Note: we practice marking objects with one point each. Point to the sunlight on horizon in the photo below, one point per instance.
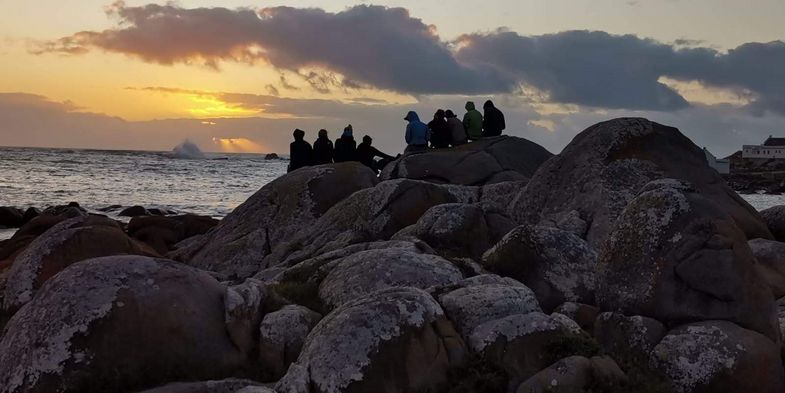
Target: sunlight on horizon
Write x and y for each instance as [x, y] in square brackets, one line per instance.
[239, 145]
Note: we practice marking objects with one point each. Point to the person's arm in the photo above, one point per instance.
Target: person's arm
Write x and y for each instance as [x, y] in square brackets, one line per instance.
[409, 133]
[377, 153]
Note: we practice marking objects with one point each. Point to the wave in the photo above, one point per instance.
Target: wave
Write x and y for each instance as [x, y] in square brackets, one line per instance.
[187, 150]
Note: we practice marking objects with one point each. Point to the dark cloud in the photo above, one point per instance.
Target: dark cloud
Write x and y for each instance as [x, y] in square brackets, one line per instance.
[387, 48]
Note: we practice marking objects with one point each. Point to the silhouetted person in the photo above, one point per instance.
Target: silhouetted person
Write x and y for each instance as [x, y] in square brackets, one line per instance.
[345, 146]
[300, 152]
[416, 133]
[366, 154]
[493, 120]
[472, 122]
[323, 150]
[457, 132]
[440, 134]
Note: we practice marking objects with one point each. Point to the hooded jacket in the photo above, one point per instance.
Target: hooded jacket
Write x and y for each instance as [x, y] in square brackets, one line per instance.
[472, 122]
[323, 151]
[457, 132]
[493, 122]
[416, 131]
[440, 133]
[346, 147]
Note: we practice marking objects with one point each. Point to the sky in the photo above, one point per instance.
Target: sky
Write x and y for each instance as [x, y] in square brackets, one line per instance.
[240, 76]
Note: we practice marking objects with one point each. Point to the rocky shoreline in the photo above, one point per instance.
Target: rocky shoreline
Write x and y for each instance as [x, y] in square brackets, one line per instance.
[623, 264]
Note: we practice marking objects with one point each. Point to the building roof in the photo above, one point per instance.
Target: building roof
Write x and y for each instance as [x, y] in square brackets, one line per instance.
[774, 142]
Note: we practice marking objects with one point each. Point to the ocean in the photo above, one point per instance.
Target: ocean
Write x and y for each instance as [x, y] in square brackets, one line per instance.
[187, 181]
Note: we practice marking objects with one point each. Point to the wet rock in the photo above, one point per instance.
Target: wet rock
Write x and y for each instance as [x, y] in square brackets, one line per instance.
[576, 374]
[397, 338]
[279, 211]
[162, 233]
[584, 315]
[281, 337]
[775, 220]
[110, 208]
[134, 211]
[66, 243]
[271, 156]
[10, 217]
[119, 323]
[369, 215]
[460, 230]
[605, 167]
[30, 214]
[771, 263]
[488, 161]
[222, 386]
[365, 272]
[719, 357]
[557, 265]
[477, 303]
[675, 256]
[522, 343]
[70, 210]
[630, 339]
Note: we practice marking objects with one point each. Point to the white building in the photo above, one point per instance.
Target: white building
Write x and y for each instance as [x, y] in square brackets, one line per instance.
[721, 166]
[771, 148]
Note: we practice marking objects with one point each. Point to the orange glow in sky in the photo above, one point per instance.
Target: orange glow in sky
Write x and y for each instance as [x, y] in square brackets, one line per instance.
[239, 145]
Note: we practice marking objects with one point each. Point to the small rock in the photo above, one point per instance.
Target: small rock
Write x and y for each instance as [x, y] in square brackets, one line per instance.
[630, 339]
[583, 314]
[134, 211]
[281, 337]
[775, 220]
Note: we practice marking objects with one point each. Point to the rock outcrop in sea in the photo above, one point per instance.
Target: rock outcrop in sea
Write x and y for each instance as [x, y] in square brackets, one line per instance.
[622, 264]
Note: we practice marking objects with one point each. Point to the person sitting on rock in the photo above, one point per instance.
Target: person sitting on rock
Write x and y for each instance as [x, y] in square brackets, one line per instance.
[493, 120]
[323, 150]
[440, 133]
[416, 133]
[472, 122]
[346, 147]
[366, 154]
[455, 126]
[300, 151]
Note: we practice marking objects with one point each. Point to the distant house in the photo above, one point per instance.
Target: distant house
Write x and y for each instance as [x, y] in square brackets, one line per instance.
[720, 165]
[772, 148]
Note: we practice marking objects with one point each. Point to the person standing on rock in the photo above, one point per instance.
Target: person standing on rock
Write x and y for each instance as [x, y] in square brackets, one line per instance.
[300, 151]
[440, 134]
[416, 133]
[493, 120]
[346, 147]
[323, 150]
[455, 126]
[366, 154]
[472, 122]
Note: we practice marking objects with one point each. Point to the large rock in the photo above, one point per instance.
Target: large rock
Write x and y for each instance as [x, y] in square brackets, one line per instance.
[281, 337]
[162, 233]
[488, 161]
[576, 374]
[771, 263]
[606, 165]
[119, 323]
[365, 272]
[398, 339]
[369, 215]
[719, 357]
[676, 256]
[231, 385]
[557, 265]
[11, 217]
[66, 243]
[775, 220]
[460, 230]
[630, 339]
[280, 210]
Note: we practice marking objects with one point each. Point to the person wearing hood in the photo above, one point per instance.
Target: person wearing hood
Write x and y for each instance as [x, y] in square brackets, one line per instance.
[366, 154]
[346, 147]
[493, 120]
[323, 150]
[472, 122]
[455, 126]
[440, 134]
[300, 152]
[416, 133]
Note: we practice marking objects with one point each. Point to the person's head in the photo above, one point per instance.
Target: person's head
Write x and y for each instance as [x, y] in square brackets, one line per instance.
[412, 116]
[367, 139]
[322, 133]
[469, 105]
[439, 114]
[449, 114]
[488, 104]
[298, 134]
[348, 132]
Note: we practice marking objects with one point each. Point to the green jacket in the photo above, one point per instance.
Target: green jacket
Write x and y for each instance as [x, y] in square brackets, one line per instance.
[472, 121]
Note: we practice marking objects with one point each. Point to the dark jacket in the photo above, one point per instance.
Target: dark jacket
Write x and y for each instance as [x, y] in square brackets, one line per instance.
[440, 133]
[493, 120]
[300, 154]
[345, 149]
[366, 154]
[323, 151]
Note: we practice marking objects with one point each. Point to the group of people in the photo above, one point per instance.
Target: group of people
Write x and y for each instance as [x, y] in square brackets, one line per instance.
[443, 131]
[324, 152]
